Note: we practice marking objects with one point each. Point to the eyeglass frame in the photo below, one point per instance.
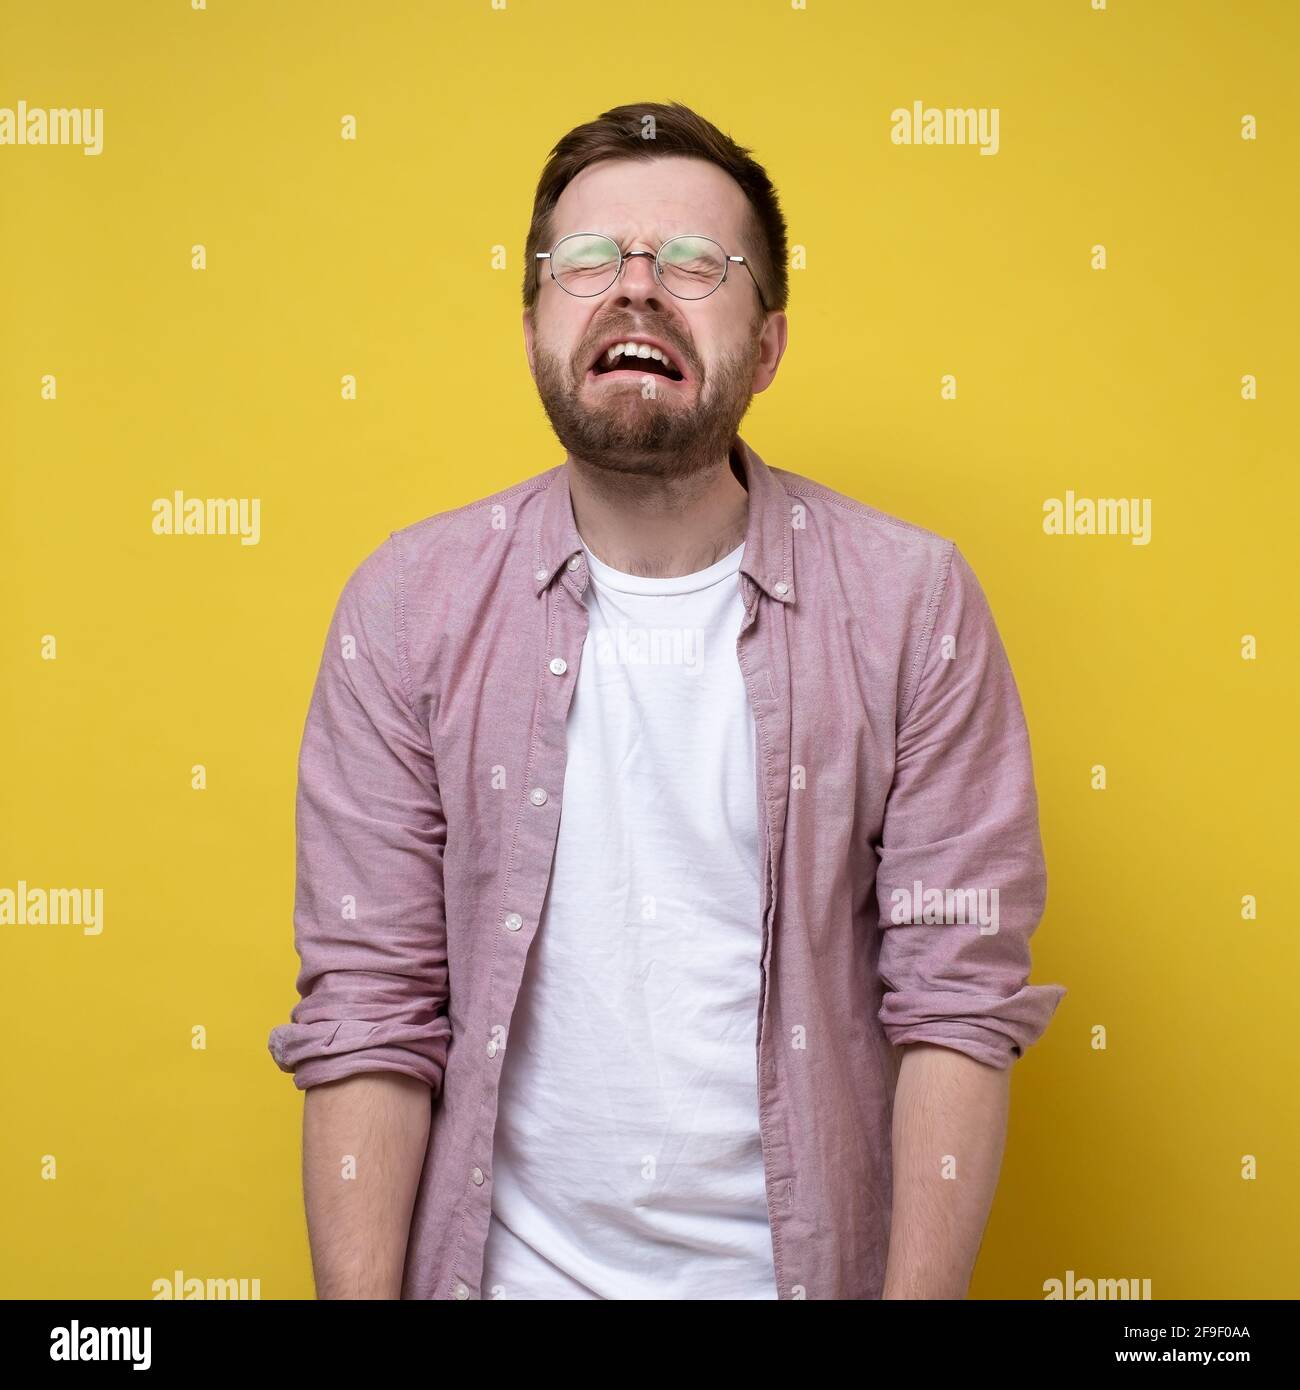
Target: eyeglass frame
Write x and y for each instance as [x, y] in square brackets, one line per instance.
[626, 256]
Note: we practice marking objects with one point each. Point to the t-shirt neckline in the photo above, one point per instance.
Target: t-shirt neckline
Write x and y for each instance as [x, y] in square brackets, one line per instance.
[610, 578]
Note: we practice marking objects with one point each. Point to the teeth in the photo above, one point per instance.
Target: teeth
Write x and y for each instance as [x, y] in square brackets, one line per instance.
[634, 349]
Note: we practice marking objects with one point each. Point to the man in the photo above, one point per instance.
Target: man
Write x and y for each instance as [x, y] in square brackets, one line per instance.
[668, 842]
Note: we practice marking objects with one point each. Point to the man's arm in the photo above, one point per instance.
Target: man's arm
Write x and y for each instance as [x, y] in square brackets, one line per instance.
[950, 1123]
[364, 1140]
[961, 887]
[370, 1035]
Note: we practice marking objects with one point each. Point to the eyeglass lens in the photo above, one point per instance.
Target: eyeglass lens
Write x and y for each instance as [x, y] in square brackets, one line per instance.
[690, 267]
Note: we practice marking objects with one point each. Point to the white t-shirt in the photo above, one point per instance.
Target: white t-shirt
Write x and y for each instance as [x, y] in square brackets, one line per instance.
[627, 1160]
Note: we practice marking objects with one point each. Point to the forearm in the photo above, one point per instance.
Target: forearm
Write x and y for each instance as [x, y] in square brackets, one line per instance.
[364, 1142]
[950, 1122]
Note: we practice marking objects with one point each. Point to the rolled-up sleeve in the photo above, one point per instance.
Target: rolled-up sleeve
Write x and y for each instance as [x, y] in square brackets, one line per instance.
[961, 883]
[369, 922]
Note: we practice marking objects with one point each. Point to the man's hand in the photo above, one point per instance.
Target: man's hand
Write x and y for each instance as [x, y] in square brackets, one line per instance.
[364, 1142]
[950, 1124]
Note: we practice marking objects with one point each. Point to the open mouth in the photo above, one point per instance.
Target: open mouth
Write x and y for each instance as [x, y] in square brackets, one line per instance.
[634, 357]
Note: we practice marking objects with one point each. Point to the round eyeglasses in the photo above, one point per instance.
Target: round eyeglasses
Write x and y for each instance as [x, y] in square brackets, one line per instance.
[585, 264]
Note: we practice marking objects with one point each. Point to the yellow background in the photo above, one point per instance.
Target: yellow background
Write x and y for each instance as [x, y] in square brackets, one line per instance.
[375, 257]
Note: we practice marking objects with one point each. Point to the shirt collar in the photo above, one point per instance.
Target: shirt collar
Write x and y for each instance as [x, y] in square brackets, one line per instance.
[767, 559]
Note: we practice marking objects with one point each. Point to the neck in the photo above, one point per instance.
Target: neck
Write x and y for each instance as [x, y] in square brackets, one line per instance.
[659, 527]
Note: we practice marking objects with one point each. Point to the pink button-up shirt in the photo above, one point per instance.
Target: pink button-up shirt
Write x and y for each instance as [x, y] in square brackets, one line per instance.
[902, 865]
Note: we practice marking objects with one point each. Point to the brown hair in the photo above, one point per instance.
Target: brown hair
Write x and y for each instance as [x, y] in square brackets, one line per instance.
[677, 130]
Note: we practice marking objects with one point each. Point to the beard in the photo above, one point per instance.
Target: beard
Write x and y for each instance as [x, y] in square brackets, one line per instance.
[624, 431]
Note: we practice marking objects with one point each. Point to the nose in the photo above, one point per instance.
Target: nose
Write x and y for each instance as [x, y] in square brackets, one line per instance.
[636, 283]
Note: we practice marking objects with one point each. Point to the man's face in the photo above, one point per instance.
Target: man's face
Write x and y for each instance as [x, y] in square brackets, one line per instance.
[726, 347]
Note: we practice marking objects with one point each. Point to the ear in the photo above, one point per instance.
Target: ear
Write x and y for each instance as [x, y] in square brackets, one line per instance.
[772, 342]
[528, 342]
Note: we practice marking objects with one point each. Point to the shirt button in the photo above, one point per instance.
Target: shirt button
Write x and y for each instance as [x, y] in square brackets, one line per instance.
[574, 561]
[477, 1175]
[782, 587]
[492, 1048]
[513, 921]
[541, 574]
[558, 666]
[538, 796]
[462, 1291]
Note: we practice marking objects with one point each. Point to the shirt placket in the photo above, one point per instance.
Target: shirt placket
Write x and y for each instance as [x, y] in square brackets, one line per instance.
[525, 881]
[766, 682]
